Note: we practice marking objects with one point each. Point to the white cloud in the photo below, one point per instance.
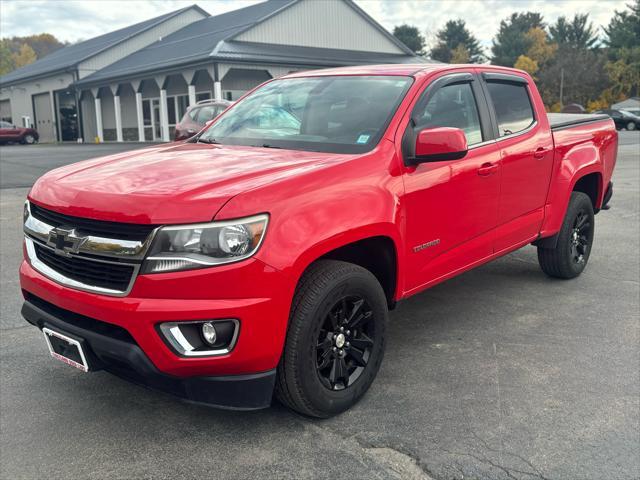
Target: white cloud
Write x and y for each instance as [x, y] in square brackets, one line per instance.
[73, 20]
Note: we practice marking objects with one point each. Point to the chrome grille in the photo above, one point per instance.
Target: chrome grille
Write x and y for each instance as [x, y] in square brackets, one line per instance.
[85, 254]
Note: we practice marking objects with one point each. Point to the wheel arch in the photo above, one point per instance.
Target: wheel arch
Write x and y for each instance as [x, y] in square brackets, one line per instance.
[374, 249]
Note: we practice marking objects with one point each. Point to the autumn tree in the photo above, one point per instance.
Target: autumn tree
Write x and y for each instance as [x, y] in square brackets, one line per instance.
[511, 40]
[623, 42]
[411, 37]
[455, 42]
[6, 62]
[25, 56]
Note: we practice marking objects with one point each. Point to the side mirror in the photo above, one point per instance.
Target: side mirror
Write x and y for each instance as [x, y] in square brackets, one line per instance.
[440, 144]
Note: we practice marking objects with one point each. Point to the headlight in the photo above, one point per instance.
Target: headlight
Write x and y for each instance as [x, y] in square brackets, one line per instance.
[184, 247]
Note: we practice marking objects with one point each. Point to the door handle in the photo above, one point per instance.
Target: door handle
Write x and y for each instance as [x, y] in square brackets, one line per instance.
[487, 169]
[540, 153]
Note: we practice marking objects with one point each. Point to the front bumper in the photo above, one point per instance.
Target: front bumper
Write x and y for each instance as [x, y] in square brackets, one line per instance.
[111, 348]
[255, 294]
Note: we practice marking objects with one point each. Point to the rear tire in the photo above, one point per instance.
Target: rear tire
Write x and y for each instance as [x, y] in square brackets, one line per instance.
[570, 256]
[631, 126]
[28, 139]
[335, 341]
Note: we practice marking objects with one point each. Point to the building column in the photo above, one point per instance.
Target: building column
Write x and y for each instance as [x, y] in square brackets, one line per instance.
[98, 105]
[137, 84]
[192, 94]
[164, 115]
[217, 90]
[140, 117]
[117, 111]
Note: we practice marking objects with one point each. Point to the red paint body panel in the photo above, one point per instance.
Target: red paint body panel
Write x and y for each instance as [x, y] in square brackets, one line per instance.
[439, 141]
[442, 217]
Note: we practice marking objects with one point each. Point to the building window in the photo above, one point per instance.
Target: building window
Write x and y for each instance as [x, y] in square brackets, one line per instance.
[182, 102]
[146, 111]
[203, 96]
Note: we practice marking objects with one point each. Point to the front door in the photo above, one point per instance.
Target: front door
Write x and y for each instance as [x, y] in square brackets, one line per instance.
[451, 206]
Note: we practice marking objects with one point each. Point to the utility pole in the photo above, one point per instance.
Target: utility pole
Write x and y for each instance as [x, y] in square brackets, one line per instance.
[561, 86]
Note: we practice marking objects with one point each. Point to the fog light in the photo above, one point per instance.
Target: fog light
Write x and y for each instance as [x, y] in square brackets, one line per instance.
[209, 333]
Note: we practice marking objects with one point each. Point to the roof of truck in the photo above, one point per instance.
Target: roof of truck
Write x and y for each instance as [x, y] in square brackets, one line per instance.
[398, 69]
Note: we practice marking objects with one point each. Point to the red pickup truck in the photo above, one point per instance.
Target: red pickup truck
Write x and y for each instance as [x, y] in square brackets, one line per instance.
[264, 254]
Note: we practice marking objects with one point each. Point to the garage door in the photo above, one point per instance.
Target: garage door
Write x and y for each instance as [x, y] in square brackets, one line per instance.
[45, 123]
[5, 111]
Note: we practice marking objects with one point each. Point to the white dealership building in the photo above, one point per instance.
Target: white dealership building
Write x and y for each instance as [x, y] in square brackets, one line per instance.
[134, 84]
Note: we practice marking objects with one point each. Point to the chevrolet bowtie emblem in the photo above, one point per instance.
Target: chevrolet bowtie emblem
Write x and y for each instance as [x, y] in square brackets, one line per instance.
[65, 241]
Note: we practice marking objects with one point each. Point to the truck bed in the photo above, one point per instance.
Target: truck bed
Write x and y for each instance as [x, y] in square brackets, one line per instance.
[567, 120]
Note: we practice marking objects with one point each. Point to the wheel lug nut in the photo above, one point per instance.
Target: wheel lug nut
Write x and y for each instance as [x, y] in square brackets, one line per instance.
[346, 344]
[342, 329]
[335, 349]
[348, 332]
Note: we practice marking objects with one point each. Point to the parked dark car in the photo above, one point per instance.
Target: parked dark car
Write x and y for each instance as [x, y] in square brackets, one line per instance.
[623, 119]
[197, 116]
[13, 133]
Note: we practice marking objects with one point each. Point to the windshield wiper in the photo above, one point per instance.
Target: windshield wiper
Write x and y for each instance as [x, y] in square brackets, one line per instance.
[210, 141]
[266, 145]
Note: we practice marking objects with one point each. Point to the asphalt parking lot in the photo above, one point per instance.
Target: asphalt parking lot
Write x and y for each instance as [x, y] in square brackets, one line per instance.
[500, 373]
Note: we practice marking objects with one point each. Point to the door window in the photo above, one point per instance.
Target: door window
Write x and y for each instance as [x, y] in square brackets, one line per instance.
[452, 106]
[513, 108]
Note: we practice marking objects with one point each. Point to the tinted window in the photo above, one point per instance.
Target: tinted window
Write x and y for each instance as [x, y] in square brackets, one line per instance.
[206, 113]
[452, 106]
[342, 114]
[512, 105]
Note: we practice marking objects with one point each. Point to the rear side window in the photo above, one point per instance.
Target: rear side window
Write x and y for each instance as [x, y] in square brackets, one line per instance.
[513, 107]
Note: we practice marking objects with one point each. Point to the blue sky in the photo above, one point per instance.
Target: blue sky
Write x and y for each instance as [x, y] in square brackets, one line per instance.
[73, 20]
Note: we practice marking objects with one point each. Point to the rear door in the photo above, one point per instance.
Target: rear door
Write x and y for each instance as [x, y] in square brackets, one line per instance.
[526, 149]
[451, 206]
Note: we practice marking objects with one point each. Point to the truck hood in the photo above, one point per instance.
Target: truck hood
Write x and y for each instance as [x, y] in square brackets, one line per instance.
[179, 183]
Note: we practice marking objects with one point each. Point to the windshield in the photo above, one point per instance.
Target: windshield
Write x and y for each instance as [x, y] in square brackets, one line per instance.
[346, 114]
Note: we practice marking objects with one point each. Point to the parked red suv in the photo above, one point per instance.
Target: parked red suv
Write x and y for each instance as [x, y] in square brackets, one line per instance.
[13, 133]
[197, 116]
[265, 253]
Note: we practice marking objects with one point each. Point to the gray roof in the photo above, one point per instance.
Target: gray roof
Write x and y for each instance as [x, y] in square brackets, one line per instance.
[70, 56]
[297, 55]
[210, 39]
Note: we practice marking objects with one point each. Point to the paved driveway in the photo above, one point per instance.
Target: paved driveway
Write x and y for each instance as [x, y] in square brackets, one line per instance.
[500, 373]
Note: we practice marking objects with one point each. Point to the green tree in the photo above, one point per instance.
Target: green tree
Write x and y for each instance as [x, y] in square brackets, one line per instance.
[453, 36]
[25, 56]
[575, 33]
[511, 40]
[623, 30]
[411, 37]
[584, 72]
[6, 61]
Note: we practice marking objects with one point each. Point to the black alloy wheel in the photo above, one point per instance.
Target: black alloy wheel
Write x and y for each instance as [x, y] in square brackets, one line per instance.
[580, 237]
[345, 342]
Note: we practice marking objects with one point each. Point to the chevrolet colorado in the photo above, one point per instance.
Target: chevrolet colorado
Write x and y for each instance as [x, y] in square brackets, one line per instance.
[263, 254]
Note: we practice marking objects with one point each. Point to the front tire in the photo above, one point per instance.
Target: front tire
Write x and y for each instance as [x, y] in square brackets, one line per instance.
[335, 342]
[631, 126]
[570, 256]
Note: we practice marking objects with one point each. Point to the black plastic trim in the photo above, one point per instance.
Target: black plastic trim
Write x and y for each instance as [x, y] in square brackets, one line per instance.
[127, 360]
[587, 118]
[504, 78]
